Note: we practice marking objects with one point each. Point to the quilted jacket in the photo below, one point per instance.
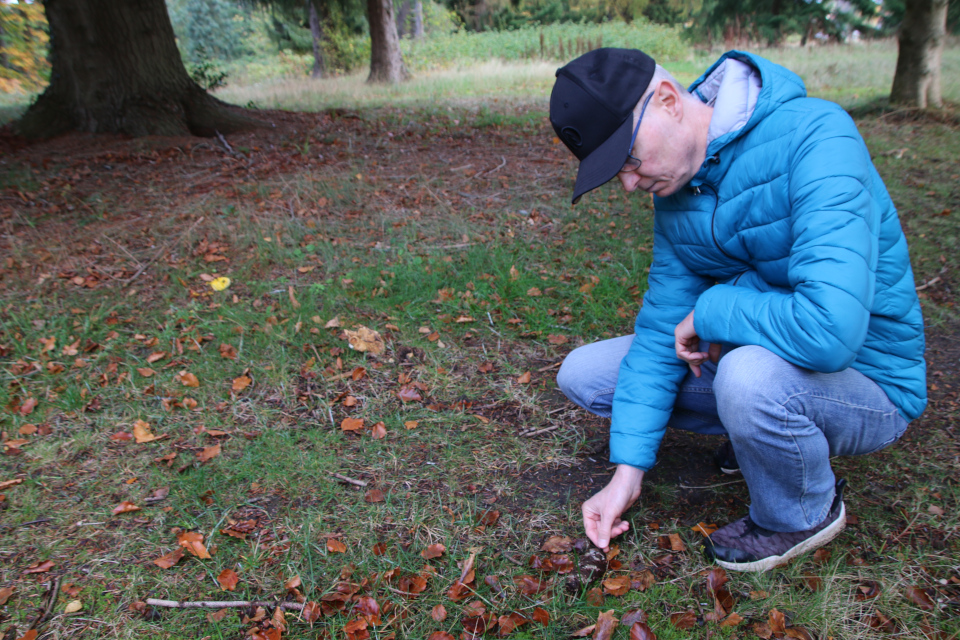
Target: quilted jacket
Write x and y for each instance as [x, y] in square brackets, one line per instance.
[786, 238]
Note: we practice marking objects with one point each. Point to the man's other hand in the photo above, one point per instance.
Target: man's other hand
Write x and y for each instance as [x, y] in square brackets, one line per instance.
[601, 513]
[687, 343]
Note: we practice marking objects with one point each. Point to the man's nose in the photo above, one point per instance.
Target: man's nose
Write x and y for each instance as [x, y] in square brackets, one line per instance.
[629, 180]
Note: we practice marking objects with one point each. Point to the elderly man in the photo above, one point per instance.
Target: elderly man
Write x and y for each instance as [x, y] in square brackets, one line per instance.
[781, 309]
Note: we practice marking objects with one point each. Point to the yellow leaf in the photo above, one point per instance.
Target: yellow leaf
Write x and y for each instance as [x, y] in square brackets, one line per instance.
[141, 432]
[364, 339]
[219, 284]
[73, 606]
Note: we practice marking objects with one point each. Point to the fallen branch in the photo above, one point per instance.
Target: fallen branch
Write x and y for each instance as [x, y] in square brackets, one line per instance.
[530, 434]
[359, 483]
[48, 605]
[222, 604]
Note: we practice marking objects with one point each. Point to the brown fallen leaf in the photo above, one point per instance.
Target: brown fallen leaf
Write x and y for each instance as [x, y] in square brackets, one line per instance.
[541, 616]
[867, 590]
[683, 619]
[335, 546]
[529, 585]
[187, 379]
[439, 613]
[209, 453]
[763, 630]
[192, 541]
[524, 378]
[142, 433]
[778, 623]
[440, 635]
[411, 424]
[488, 518]
[704, 529]
[40, 567]
[228, 351]
[732, 620]
[28, 406]
[433, 551]
[821, 555]
[241, 383]
[311, 612]
[125, 507]
[606, 625]
[31, 634]
[919, 597]
[618, 586]
[5, 593]
[228, 579]
[557, 339]
[374, 496]
[557, 544]
[378, 431]
[170, 559]
[364, 339]
[7, 484]
[642, 631]
[595, 597]
[218, 616]
[800, 633]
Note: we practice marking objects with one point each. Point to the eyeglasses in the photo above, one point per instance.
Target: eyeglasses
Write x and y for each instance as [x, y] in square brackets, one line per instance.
[632, 163]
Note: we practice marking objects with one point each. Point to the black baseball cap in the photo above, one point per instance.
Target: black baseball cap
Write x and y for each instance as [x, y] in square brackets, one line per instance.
[591, 110]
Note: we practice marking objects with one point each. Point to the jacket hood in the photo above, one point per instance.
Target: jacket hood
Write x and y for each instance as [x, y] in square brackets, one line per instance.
[778, 86]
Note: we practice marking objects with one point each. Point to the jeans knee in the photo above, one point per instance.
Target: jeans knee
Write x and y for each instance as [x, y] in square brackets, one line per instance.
[747, 379]
[570, 374]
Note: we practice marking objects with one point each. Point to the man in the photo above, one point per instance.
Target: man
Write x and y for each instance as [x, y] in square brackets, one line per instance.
[781, 309]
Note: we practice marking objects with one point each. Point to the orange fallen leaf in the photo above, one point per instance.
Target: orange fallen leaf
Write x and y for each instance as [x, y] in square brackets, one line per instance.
[153, 357]
[192, 541]
[433, 551]
[28, 406]
[29, 635]
[683, 619]
[170, 559]
[335, 546]
[6, 484]
[241, 383]
[6, 592]
[146, 372]
[606, 624]
[411, 424]
[209, 453]
[141, 432]
[705, 529]
[557, 544]
[228, 579]
[125, 507]
[374, 496]
[378, 431]
[557, 339]
[524, 378]
[351, 424]
[228, 351]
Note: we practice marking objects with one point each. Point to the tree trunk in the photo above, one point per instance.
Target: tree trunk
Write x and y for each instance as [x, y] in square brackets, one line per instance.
[418, 19]
[386, 62]
[402, 15]
[116, 68]
[317, 34]
[922, 34]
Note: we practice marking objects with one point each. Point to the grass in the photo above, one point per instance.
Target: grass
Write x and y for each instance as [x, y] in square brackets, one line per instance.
[447, 228]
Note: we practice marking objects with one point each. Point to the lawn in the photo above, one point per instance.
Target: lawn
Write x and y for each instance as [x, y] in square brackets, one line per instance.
[167, 438]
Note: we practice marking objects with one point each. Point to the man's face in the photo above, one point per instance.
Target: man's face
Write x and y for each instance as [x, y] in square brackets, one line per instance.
[663, 150]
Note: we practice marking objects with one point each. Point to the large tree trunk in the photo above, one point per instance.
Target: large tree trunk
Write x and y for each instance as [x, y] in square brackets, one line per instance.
[386, 62]
[116, 68]
[317, 34]
[922, 34]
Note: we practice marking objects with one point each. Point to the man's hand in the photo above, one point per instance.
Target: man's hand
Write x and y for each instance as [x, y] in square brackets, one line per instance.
[687, 343]
[601, 513]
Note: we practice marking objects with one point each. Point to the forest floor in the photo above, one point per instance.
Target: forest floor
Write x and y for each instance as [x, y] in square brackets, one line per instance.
[166, 437]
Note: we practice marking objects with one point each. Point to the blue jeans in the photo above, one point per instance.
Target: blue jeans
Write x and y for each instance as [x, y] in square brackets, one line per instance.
[785, 422]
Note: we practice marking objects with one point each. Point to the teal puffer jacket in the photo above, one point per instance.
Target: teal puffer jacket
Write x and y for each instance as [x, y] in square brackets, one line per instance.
[786, 238]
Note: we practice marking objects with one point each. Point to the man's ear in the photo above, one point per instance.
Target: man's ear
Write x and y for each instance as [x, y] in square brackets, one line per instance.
[669, 98]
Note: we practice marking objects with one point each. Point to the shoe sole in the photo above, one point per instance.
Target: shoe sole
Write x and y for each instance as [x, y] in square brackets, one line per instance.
[729, 471]
[811, 543]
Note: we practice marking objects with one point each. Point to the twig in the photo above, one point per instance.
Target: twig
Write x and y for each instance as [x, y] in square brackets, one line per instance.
[214, 604]
[530, 434]
[160, 253]
[223, 141]
[909, 526]
[48, 605]
[512, 559]
[928, 283]
[549, 366]
[503, 163]
[354, 481]
[710, 486]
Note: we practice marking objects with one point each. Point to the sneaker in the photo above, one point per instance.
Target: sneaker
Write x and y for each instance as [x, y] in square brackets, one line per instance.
[746, 546]
[726, 459]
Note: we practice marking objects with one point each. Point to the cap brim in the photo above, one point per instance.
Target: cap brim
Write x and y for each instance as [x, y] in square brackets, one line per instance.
[602, 166]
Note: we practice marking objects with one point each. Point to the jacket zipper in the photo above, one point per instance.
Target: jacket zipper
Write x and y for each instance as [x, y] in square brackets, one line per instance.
[713, 218]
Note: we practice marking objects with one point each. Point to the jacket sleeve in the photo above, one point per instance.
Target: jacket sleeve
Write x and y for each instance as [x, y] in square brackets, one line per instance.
[821, 322]
[650, 373]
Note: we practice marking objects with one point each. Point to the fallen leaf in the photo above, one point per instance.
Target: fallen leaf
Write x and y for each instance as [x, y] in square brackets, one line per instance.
[228, 579]
[732, 620]
[439, 613]
[73, 606]
[31, 634]
[141, 432]
[488, 518]
[411, 424]
[440, 635]
[192, 541]
[867, 590]
[28, 406]
[618, 586]
[433, 551]
[218, 616]
[374, 496]
[125, 507]
[351, 424]
[5, 593]
[557, 339]
[533, 292]
[40, 567]
[935, 510]
[241, 383]
[778, 623]
[524, 378]
[219, 284]
[145, 372]
[378, 431]
[335, 546]
[187, 379]
[311, 612]
[683, 619]
[228, 351]
[333, 323]
[170, 559]
[606, 624]
[919, 597]
[641, 631]
[529, 585]
[595, 597]
[6, 484]
[762, 629]
[541, 616]
[821, 555]
[800, 633]
[154, 357]
[364, 339]
[704, 528]
[409, 393]
[209, 453]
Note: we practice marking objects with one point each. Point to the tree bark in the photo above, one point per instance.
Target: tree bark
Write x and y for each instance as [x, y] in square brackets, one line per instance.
[116, 68]
[386, 62]
[418, 19]
[402, 15]
[921, 39]
[318, 63]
